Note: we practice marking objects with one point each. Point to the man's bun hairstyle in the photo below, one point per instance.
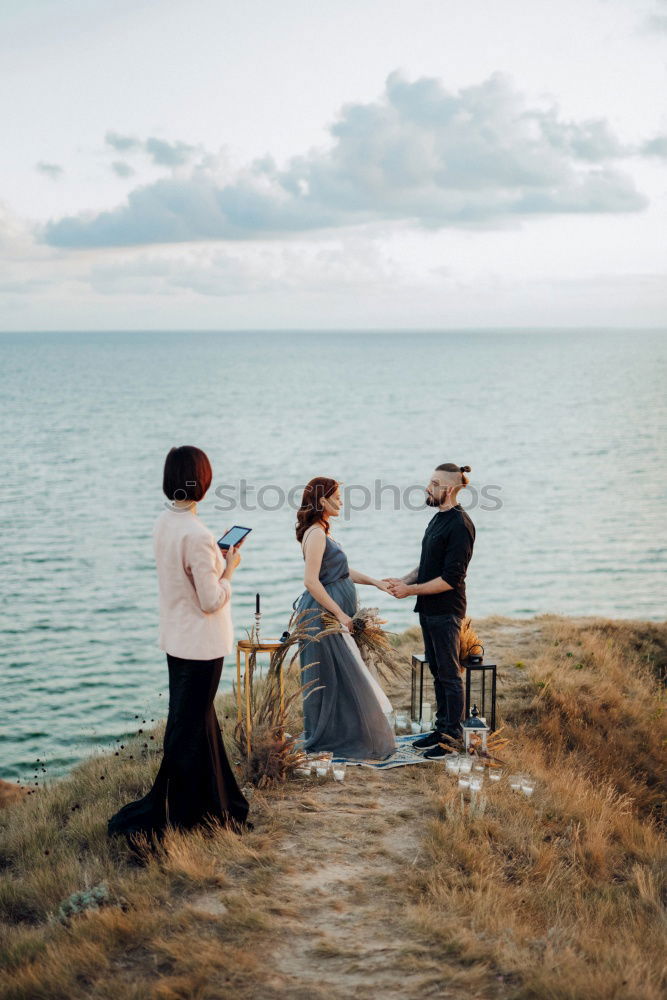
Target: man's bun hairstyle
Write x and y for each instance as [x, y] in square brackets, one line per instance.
[450, 467]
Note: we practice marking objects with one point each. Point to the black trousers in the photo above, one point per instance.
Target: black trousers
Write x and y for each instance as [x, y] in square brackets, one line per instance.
[442, 646]
[195, 781]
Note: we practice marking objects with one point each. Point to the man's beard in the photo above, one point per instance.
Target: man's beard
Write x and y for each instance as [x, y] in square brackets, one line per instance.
[430, 502]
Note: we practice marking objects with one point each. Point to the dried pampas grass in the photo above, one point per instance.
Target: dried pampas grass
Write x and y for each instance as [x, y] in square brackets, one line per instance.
[273, 755]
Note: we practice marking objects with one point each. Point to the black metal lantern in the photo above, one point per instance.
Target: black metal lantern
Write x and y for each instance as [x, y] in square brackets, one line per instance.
[421, 686]
[481, 686]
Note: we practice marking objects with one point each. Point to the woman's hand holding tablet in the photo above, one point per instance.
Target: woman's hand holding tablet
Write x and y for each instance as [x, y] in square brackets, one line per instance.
[234, 537]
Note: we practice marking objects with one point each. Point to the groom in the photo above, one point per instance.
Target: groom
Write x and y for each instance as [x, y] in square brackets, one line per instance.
[439, 586]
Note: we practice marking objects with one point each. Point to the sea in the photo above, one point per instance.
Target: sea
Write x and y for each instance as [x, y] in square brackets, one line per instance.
[564, 432]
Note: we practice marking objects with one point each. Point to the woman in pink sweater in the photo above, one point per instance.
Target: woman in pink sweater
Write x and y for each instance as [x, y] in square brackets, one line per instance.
[195, 782]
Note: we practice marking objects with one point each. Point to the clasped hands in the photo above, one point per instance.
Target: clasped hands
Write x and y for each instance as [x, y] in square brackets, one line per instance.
[396, 587]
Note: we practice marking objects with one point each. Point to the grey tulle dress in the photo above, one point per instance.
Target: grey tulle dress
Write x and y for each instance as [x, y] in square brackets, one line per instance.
[346, 715]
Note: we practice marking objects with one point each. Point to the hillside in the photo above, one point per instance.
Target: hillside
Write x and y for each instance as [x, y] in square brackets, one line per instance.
[388, 885]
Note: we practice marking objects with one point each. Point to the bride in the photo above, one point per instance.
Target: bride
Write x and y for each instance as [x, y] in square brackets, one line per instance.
[345, 709]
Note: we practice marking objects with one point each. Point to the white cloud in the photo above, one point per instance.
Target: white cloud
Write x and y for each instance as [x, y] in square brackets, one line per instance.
[161, 152]
[122, 169]
[354, 263]
[122, 143]
[51, 170]
[656, 20]
[476, 157]
[656, 146]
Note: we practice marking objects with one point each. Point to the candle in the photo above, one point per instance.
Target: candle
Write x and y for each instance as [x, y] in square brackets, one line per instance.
[402, 722]
[453, 764]
[256, 604]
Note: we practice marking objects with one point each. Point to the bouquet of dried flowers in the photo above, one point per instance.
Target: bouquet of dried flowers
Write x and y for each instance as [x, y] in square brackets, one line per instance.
[372, 641]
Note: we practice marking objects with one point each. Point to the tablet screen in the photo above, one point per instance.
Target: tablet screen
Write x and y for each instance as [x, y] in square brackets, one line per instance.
[234, 535]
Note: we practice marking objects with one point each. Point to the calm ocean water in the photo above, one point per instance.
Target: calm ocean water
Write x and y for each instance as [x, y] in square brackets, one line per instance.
[565, 434]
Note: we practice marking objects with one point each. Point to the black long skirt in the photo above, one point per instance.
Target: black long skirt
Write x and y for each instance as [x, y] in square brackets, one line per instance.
[195, 782]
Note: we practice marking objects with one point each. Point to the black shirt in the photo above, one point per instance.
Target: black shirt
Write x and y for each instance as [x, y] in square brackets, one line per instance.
[446, 552]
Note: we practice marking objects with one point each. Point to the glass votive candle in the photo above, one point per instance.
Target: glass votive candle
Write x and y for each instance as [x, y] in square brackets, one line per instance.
[527, 785]
[415, 728]
[464, 781]
[478, 765]
[465, 764]
[338, 769]
[476, 782]
[515, 782]
[427, 714]
[452, 763]
[495, 773]
[303, 770]
[402, 722]
[322, 763]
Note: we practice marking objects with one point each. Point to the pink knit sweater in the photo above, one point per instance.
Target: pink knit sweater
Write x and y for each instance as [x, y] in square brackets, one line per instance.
[195, 602]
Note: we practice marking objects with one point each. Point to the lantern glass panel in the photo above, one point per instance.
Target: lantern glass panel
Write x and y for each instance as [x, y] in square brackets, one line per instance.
[475, 739]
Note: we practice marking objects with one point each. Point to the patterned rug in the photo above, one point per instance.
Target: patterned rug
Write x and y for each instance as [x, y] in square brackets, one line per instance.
[403, 756]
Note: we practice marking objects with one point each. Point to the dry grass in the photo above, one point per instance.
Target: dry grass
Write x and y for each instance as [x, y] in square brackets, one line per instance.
[600, 701]
[561, 896]
[415, 894]
[151, 941]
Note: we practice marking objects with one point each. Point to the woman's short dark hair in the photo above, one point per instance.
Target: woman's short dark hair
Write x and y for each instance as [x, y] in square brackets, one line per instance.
[187, 474]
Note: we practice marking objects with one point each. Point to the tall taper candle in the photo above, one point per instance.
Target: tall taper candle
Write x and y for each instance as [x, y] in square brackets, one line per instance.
[256, 604]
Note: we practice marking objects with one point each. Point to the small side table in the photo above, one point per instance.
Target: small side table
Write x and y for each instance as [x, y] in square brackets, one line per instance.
[419, 661]
[245, 648]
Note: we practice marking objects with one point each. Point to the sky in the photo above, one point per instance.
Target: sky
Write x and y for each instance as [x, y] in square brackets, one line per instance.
[345, 164]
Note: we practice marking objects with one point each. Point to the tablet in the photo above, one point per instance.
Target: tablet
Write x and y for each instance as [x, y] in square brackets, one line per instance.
[235, 535]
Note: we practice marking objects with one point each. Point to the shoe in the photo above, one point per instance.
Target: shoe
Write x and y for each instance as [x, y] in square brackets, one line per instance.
[436, 753]
[428, 741]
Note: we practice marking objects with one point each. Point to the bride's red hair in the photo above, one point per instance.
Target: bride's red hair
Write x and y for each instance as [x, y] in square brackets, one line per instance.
[310, 511]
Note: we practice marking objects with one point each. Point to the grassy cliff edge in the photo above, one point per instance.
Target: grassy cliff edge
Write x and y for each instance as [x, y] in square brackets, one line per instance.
[391, 884]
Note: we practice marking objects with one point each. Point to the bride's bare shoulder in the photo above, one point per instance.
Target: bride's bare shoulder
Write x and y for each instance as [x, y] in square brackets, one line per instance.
[314, 531]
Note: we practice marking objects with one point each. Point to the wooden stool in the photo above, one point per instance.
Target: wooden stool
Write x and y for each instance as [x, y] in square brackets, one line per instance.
[246, 648]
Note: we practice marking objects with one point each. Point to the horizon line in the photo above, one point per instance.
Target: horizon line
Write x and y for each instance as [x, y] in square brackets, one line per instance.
[348, 330]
